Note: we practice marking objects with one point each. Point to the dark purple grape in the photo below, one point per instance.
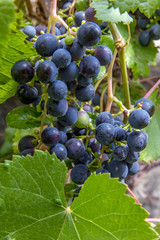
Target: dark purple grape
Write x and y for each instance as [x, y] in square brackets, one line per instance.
[50, 136]
[104, 117]
[70, 73]
[83, 81]
[105, 164]
[88, 108]
[155, 32]
[22, 72]
[147, 105]
[39, 28]
[94, 145]
[70, 117]
[79, 131]
[131, 156]
[37, 101]
[57, 108]
[63, 137]
[46, 44]
[137, 141]
[86, 159]
[139, 118]
[29, 30]
[89, 67]
[103, 54]
[27, 94]
[61, 57]
[79, 17]
[76, 50]
[75, 148]
[144, 38]
[47, 71]
[26, 152]
[57, 90]
[85, 94]
[96, 100]
[60, 151]
[71, 85]
[62, 30]
[89, 34]
[105, 133]
[133, 168]
[102, 171]
[27, 142]
[118, 169]
[120, 153]
[79, 174]
[120, 134]
[143, 22]
[90, 14]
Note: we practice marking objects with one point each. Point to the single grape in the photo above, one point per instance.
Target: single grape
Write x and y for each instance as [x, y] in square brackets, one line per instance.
[101, 171]
[62, 30]
[118, 123]
[47, 71]
[131, 156]
[22, 72]
[96, 100]
[137, 141]
[118, 169]
[89, 67]
[94, 145]
[57, 108]
[63, 137]
[120, 153]
[83, 119]
[85, 94]
[155, 32]
[57, 31]
[75, 148]
[46, 44]
[29, 30]
[39, 29]
[90, 14]
[144, 38]
[147, 105]
[61, 57]
[103, 54]
[143, 22]
[120, 134]
[50, 136]
[104, 117]
[70, 73]
[83, 81]
[79, 17]
[105, 164]
[60, 151]
[27, 94]
[70, 117]
[76, 50]
[27, 142]
[88, 108]
[80, 173]
[85, 159]
[66, 5]
[57, 90]
[26, 152]
[133, 168]
[139, 118]
[118, 118]
[89, 34]
[105, 133]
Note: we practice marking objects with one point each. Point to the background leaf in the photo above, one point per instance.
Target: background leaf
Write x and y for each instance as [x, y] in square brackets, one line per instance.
[33, 204]
[17, 49]
[7, 9]
[23, 117]
[81, 5]
[152, 151]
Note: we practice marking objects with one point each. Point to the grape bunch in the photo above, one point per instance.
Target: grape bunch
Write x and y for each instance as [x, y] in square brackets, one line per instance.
[66, 67]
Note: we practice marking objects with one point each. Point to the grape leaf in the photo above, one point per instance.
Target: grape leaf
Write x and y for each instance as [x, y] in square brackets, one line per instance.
[100, 74]
[23, 117]
[152, 151]
[17, 49]
[126, 5]
[33, 204]
[7, 146]
[81, 5]
[138, 57]
[157, 228]
[108, 41]
[148, 7]
[6, 17]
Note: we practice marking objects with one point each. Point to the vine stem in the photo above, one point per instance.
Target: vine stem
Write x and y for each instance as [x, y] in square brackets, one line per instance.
[152, 89]
[109, 80]
[132, 194]
[153, 220]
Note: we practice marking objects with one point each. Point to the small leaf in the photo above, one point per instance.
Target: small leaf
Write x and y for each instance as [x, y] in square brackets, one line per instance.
[152, 151]
[7, 9]
[23, 117]
[17, 49]
[107, 13]
[81, 5]
[33, 205]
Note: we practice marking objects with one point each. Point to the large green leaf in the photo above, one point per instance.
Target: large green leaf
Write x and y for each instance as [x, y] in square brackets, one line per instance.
[106, 12]
[152, 151]
[17, 49]
[33, 205]
[82, 4]
[138, 57]
[6, 17]
[148, 7]
[23, 117]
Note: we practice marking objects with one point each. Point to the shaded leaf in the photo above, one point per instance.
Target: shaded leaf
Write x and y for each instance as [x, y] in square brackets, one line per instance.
[81, 5]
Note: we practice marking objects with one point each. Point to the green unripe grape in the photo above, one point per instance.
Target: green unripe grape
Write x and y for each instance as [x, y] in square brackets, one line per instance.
[83, 119]
[70, 19]
[68, 40]
[74, 29]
